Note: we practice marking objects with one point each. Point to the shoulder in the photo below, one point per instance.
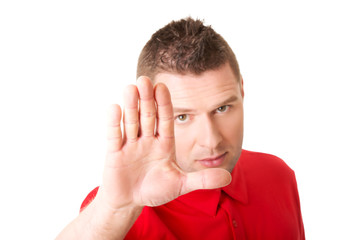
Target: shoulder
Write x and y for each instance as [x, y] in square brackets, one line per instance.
[262, 160]
[265, 166]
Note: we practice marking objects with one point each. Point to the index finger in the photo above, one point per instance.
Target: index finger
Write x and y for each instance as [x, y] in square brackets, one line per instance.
[114, 135]
[165, 115]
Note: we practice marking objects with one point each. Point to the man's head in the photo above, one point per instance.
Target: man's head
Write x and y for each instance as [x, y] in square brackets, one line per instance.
[203, 77]
[185, 46]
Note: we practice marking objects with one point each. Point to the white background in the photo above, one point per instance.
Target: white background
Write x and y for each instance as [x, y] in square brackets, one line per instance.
[63, 62]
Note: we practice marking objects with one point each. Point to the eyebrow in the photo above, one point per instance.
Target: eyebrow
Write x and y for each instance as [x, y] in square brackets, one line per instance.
[233, 98]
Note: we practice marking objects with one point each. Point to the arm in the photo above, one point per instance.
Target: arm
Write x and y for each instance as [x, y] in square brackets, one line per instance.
[98, 221]
[140, 168]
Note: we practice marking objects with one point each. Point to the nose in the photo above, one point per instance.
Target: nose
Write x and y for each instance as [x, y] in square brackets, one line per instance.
[209, 133]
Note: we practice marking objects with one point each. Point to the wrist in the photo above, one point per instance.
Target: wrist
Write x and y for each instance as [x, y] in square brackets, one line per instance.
[105, 222]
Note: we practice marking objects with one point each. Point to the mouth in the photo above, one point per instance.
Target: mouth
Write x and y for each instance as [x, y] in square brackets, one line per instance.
[213, 162]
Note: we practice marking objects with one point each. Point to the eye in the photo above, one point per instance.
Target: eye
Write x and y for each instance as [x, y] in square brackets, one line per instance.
[182, 118]
[222, 108]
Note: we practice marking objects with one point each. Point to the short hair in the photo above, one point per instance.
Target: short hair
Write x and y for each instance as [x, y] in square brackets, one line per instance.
[185, 46]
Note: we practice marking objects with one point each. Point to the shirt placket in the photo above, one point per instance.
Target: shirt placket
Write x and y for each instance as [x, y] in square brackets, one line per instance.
[234, 217]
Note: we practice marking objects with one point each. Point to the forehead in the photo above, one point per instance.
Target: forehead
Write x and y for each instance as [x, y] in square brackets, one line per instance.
[195, 91]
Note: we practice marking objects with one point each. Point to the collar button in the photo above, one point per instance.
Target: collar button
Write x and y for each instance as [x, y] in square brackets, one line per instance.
[234, 223]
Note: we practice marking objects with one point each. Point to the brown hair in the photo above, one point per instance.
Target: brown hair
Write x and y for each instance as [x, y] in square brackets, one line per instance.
[185, 46]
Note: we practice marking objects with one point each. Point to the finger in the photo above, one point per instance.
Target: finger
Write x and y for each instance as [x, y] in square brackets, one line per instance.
[147, 107]
[131, 113]
[206, 179]
[165, 115]
[114, 135]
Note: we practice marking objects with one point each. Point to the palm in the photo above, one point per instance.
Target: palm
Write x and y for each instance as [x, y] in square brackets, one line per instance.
[140, 168]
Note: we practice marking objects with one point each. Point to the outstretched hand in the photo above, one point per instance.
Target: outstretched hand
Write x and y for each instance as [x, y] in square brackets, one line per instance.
[140, 167]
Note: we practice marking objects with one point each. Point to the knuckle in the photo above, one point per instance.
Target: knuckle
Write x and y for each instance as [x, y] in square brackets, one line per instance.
[132, 139]
[166, 118]
[113, 124]
[147, 114]
[131, 122]
[114, 138]
[147, 135]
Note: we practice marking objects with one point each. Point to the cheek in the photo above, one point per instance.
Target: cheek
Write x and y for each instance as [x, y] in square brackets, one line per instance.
[182, 142]
[233, 129]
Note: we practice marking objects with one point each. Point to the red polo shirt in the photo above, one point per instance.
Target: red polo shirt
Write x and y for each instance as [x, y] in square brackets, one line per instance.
[261, 202]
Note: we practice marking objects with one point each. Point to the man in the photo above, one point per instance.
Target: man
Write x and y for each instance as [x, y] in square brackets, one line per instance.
[183, 131]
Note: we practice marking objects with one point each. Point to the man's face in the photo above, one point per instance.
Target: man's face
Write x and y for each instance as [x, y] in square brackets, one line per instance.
[208, 113]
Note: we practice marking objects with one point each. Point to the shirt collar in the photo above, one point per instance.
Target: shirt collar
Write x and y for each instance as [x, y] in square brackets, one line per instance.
[207, 201]
[237, 188]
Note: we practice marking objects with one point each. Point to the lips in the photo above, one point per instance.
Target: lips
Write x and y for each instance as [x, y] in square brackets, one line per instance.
[213, 162]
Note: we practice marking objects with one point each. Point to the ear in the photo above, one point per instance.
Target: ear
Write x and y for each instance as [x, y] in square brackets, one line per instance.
[242, 86]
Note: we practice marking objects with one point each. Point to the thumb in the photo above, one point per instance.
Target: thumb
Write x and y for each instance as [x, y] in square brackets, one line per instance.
[205, 179]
